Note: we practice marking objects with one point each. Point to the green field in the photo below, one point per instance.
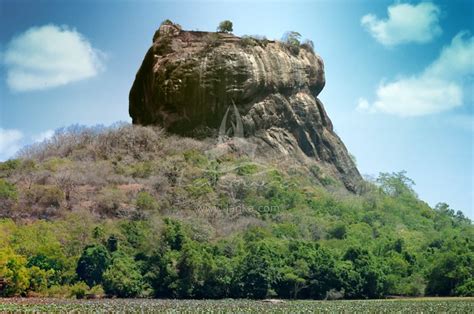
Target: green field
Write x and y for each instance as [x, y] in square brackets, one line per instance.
[423, 305]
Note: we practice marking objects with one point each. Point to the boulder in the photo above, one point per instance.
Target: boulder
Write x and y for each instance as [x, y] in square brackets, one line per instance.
[190, 82]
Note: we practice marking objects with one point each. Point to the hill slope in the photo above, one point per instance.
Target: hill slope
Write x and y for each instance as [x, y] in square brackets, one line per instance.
[138, 212]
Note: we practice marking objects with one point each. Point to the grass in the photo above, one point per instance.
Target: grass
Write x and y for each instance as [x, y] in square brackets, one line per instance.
[416, 305]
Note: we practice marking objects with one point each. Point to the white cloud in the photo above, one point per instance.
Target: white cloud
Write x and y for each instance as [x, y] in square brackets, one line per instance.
[440, 87]
[10, 142]
[46, 135]
[49, 56]
[406, 23]
[363, 104]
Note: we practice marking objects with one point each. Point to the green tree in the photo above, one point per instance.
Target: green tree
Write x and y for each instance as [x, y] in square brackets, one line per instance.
[14, 272]
[225, 27]
[258, 271]
[92, 264]
[372, 277]
[123, 278]
[173, 235]
[452, 269]
[396, 183]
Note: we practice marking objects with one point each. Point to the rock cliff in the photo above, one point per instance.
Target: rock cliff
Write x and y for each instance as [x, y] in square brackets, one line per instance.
[189, 79]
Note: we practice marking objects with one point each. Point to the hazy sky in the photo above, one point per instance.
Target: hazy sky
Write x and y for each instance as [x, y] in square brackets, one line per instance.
[399, 74]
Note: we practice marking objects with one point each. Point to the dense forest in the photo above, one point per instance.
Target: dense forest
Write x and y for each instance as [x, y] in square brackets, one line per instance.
[130, 211]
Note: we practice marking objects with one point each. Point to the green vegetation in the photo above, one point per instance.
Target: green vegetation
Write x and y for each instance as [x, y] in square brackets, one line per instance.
[91, 213]
[292, 41]
[225, 27]
[438, 305]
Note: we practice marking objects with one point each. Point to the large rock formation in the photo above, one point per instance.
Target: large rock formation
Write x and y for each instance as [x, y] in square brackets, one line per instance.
[189, 79]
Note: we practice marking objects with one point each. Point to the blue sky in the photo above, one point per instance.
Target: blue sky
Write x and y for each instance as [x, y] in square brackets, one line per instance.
[399, 73]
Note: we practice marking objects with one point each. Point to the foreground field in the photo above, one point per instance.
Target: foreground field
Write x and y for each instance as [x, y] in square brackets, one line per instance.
[425, 305]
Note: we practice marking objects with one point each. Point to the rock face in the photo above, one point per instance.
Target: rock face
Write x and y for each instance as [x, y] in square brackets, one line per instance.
[189, 79]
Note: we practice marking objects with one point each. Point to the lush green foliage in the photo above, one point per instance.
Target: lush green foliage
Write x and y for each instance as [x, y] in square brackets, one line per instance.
[161, 218]
[92, 264]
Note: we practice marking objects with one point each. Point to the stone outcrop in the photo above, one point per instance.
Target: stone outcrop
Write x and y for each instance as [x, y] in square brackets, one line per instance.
[189, 79]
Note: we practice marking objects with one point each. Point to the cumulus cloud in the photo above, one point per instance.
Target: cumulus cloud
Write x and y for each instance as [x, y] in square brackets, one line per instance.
[10, 142]
[49, 56]
[406, 23]
[440, 87]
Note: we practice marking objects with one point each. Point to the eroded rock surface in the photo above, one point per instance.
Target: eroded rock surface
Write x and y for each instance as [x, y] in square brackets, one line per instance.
[188, 80]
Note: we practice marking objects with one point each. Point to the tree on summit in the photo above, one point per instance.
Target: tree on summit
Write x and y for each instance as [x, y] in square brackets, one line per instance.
[225, 27]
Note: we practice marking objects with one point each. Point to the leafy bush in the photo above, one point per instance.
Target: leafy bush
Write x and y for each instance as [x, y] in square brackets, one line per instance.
[8, 191]
[45, 195]
[79, 290]
[247, 41]
[110, 199]
[142, 169]
[145, 201]
[8, 167]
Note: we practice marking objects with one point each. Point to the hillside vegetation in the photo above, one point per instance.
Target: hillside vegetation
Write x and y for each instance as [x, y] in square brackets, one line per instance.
[130, 211]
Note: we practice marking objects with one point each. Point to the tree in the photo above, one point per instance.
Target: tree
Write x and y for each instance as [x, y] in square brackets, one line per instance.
[225, 27]
[123, 278]
[14, 273]
[92, 264]
[396, 184]
[451, 273]
[373, 279]
[258, 270]
[173, 235]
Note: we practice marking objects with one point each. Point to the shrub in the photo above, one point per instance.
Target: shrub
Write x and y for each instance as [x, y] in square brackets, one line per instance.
[142, 169]
[39, 278]
[45, 195]
[247, 169]
[292, 41]
[309, 46]
[8, 167]
[247, 41]
[145, 201]
[79, 290]
[109, 200]
[7, 190]
[225, 27]
[195, 158]
[211, 40]
[166, 22]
